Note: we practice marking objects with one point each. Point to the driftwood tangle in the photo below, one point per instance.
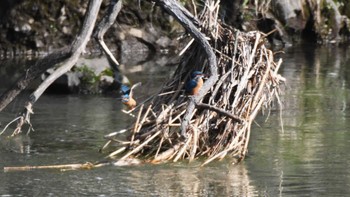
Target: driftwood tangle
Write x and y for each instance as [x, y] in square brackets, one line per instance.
[219, 123]
[171, 126]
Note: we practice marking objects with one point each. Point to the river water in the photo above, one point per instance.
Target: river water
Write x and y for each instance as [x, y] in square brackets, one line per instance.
[308, 156]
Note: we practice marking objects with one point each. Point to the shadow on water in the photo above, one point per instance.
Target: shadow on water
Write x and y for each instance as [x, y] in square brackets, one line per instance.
[308, 158]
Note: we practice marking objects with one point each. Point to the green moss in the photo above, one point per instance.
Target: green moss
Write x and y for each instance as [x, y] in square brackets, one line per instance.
[90, 82]
[88, 75]
[107, 72]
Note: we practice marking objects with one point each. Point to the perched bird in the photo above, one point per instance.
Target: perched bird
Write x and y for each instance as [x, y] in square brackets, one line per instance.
[195, 83]
[127, 95]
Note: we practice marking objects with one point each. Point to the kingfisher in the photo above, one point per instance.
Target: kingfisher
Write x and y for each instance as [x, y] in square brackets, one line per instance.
[127, 95]
[195, 83]
[128, 101]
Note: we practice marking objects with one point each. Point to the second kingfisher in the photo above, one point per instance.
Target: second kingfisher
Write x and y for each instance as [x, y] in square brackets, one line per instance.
[128, 101]
[193, 86]
[127, 95]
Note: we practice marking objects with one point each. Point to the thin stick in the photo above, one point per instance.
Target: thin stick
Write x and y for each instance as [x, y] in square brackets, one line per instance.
[140, 146]
[186, 47]
[106, 145]
[244, 78]
[166, 154]
[263, 81]
[117, 152]
[230, 147]
[143, 119]
[194, 144]
[10, 124]
[87, 166]
[183, 149]
[160, 145]
[136, 124]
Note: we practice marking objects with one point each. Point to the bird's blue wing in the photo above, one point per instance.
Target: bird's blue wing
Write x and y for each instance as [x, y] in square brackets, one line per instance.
[124, 89]
[190, 85]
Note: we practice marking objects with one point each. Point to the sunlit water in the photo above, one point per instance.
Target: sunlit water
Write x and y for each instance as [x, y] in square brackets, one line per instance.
[308, 157]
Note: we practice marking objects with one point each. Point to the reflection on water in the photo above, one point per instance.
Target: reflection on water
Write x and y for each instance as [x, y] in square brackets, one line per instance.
[168, 180]
[308, 158]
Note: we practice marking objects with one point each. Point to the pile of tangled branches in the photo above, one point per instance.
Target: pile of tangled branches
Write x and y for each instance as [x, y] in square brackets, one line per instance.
[221, 121]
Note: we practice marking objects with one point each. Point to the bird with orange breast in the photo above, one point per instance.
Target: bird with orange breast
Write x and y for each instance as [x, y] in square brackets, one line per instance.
[193, 85]
[128, 101]
[127, 96]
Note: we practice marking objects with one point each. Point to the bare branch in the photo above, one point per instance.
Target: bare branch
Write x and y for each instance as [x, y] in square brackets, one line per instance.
[32, 73]
[174, 9]
[67, 58]
[220, 111]
[102, 27]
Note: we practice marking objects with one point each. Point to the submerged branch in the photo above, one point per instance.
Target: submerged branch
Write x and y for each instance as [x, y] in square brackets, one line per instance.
[62, 167]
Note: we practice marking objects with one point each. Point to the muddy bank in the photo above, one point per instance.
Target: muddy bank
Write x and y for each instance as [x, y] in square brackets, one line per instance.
[31, 27]
[35, 28]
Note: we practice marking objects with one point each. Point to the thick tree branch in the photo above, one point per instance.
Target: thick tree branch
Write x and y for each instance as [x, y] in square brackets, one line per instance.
[174, 9]
[102, 27]
[52, 60]
[220, 111]
[32, 73]
[67, 58]
[77, 47]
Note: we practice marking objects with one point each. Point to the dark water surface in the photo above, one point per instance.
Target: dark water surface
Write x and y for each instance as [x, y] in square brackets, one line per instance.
[309, 157]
